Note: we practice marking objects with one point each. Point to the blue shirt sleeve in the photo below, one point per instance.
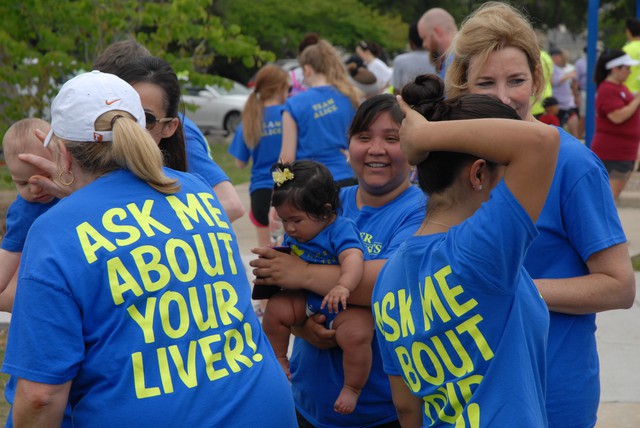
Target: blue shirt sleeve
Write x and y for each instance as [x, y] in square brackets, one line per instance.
[591, 218]
[199, 159]
[20, 216]
[238, 148]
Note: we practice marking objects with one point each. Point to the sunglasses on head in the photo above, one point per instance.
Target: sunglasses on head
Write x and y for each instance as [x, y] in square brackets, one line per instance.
[152, 120]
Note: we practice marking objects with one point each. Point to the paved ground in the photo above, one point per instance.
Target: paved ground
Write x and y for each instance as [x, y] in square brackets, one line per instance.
[618, 332]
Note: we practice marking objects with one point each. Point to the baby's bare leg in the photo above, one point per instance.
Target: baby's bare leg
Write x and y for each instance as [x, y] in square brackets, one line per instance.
[284, 310]
[354, 332]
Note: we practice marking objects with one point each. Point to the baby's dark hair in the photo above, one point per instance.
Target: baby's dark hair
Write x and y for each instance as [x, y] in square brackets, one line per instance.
[310, 189]
[426, 96]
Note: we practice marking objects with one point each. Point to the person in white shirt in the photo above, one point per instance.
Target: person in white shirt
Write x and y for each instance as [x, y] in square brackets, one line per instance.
[370, 52]
[408, 65]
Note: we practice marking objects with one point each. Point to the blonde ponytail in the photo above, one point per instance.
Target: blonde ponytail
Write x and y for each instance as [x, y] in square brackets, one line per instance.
[271, 83]
[132, 149]
[252, 120]
[135, 150]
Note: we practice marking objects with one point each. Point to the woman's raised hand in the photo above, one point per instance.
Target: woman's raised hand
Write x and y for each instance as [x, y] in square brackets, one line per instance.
[50, 170]
[412, 132]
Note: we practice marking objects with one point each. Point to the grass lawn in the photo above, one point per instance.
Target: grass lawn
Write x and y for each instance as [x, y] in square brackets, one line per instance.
[219, 146]
[5, 178]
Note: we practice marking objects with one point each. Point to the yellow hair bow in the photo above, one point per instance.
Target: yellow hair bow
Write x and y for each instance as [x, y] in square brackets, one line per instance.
[280, 176]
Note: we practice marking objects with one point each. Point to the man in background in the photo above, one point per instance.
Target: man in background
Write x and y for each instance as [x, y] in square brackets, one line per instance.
[414, 63]
[437, 28]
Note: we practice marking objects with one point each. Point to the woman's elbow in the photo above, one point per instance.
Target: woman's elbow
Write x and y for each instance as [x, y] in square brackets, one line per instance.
[628, 295]
[37, 396]
[234, 210]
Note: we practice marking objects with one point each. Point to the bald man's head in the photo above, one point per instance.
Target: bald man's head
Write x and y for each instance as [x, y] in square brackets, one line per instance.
[437, 28]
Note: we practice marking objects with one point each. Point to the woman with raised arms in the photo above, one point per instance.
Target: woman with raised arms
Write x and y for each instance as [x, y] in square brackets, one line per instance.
[461, 325]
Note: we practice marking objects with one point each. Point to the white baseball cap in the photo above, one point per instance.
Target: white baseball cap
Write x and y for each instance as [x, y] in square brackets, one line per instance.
[86, 97]
[621, 60]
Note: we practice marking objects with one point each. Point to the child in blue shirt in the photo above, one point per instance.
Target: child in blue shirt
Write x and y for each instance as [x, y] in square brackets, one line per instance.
[30, 203]
[305, 197]
[258, 139]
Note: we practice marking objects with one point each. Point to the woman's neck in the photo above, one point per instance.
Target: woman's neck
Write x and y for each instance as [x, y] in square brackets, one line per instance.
[317, 79]
[81, 178]
[273, 101]
[441, 221]
[365, 198]
[612, 79]
[445, 212]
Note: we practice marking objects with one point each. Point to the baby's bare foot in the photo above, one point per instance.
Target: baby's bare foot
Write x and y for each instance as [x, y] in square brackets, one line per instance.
[347, 400]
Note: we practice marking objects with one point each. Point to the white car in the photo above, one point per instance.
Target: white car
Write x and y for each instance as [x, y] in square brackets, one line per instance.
[215, 108]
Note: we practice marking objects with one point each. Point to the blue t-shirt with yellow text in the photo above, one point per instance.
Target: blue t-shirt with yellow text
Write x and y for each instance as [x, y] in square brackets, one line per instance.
[461, 321]
[325, 248]
[142, 301]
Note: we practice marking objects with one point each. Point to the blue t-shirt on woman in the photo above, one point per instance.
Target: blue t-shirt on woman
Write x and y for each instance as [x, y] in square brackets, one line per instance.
[265, 153]
[461, 321]
[323, 116]
[141, 300]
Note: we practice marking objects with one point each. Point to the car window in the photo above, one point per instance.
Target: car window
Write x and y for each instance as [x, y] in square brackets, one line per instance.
[236, 89]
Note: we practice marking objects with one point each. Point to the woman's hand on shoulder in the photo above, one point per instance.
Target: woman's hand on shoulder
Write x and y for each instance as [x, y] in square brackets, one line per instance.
[412, 132]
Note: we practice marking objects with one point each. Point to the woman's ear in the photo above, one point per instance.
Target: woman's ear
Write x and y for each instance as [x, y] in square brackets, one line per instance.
[479, 175]
[170, 127]
[61, 155]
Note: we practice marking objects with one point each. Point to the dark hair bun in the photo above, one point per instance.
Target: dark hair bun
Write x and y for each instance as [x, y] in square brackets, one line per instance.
[425, 94]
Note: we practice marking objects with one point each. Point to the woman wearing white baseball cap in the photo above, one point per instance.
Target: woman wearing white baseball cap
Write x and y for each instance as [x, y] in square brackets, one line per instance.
[132, 303]
[617, 135]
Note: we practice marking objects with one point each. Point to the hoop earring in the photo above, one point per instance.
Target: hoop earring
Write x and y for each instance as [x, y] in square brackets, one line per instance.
[70, 182]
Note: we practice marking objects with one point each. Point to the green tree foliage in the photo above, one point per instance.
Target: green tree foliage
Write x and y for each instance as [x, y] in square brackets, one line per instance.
[44, 42]
[612, 22]
[280, 25]
[545, 14]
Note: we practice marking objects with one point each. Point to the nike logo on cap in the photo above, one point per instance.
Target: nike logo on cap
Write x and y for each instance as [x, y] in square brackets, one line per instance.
[109, 102]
